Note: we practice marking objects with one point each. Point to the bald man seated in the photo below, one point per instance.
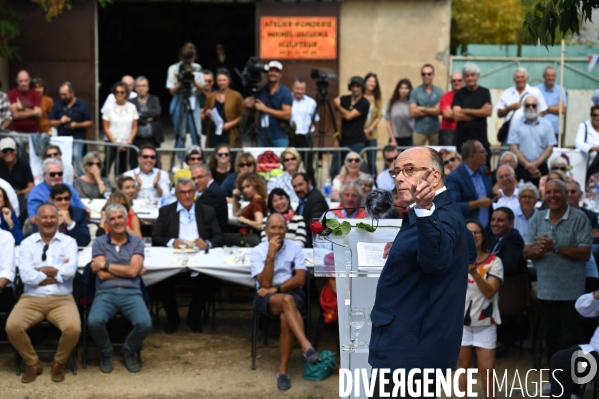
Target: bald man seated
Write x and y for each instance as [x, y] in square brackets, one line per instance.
[279, 268]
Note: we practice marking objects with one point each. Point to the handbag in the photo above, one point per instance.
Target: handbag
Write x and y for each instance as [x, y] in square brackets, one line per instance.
[322, 369]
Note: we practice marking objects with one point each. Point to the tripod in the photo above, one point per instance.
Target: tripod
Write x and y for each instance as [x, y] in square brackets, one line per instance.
[251, 129]
[323, 108]
[185, 113]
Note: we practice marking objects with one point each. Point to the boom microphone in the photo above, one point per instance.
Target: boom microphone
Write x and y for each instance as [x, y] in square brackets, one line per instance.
[378, 203]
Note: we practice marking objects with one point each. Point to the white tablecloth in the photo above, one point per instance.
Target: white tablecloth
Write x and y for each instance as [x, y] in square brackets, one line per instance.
[141, 207]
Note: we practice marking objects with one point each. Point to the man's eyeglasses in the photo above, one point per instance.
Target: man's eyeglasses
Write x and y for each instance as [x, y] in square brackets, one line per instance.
[245, 165]
[222, 154]
[427, 74]
[528, 197]
[456, 80]
[450, 160]
[188, 192]
[289, 159]
[54, 174]
[389, 160]
[61, 199]
[93, 163]
[562, 168]
[44, 256]
[148, 156]
[572, 191]
[350, 160]
[52, 155]
[595, 115]
[407, 171]
[530, 106]
[7, 150]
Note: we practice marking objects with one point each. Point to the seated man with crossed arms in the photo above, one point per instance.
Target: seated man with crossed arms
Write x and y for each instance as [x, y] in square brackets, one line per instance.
[280, 271]
[117, 261]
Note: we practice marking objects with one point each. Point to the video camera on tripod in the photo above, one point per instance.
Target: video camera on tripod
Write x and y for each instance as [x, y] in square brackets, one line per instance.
[251, 76]
[186, 77]
[322, 81]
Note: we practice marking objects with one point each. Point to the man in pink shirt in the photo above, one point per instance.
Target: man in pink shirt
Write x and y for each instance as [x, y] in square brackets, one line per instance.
[448, 124]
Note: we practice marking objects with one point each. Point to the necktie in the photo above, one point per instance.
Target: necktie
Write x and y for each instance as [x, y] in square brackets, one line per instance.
[302, 204]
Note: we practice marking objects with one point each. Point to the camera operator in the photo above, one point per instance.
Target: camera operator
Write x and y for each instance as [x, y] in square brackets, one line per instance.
[273, 101]
[185, 80]
[302, 110]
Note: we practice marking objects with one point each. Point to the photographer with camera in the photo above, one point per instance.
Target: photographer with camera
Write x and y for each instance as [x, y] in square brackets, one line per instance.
[185, 81]
[273, 101]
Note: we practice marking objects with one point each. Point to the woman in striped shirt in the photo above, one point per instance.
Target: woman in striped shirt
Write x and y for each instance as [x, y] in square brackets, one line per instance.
[279, 202]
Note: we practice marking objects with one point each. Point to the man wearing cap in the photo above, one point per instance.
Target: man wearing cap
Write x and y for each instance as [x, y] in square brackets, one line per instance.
[354, 112]
[273, 101]
[15, 171]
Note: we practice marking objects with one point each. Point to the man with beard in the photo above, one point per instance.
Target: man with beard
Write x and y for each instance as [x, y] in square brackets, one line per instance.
[312, 204]
[532, 139]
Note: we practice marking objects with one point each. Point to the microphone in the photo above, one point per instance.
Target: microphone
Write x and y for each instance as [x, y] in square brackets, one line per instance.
[378, 203]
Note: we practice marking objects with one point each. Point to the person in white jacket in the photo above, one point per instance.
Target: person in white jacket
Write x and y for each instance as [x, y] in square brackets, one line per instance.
[587, 136]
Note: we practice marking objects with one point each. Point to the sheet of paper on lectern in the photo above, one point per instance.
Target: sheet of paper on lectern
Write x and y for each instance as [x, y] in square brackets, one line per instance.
[370, 253]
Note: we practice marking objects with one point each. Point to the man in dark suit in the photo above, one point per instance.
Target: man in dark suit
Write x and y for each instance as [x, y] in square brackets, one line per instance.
[509, 244]
[417, 318]
[72, 221]
[312, 204]
[195, 223]
[210, 194]
[470, 183]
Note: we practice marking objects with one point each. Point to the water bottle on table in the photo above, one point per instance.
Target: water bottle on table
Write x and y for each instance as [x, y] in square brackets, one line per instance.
[597, 198]
[327, 189]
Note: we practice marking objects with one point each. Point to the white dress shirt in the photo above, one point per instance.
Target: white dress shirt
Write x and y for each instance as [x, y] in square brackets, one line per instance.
[385, 181]
[511, 95]
[147, 189]
[427, 212]
[188, 227]
[7, 262]
[301, 114]
[61, 254]
[586, 138]
[509, 202]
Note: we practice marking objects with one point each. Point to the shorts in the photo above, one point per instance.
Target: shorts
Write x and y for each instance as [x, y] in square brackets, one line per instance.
[481, 337]
[261, 302]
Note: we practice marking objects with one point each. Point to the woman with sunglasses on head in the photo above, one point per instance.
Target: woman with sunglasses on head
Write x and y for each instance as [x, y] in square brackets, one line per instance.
[372, 92]
[279, 202]
[244, 163]
[92, 184]
[54, 152]
[220, 162]
[120, 126]
[451, 160]
[9, 220]
[46, 104]
[253, 188]
[400, 123]
[292, 163]
[349, 173]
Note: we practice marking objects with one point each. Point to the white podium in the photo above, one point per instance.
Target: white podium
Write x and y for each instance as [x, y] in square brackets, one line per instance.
[356, 283]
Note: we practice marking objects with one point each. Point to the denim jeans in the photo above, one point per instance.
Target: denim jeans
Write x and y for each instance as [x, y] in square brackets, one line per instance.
[126, 301]
[279, 143]
[78, 158]
[191, 123]
[371, 156]
[337, 161]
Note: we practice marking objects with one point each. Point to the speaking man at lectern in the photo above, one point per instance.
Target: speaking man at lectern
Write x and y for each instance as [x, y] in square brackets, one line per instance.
[418, 313]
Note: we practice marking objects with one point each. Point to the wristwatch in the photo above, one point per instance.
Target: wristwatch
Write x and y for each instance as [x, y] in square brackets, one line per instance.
[106, 265]
[278, 287]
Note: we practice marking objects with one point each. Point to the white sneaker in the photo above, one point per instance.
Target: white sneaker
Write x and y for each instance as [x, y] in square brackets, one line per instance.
[547, 389]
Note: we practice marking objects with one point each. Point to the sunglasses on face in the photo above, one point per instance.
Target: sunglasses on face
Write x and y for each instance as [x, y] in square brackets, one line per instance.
[93, 163]
[52, 155]
[427, 74]
[148, 156]
[356, 160]
[530, 105]
[562, 168]
[289, 159]
[572, 191]
[222, 154]
[7, 150]
[389, 160]
[447, 161]
[61, 199]
[246, 165]
[119, 92]
[196, 159]
[595, 115]
[54, 174]
[44, 256]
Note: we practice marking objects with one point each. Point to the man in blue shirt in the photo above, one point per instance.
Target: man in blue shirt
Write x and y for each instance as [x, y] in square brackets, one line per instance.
[53, 174]
[273, 101]
[424, 108]
[71, 116]
[551, 93]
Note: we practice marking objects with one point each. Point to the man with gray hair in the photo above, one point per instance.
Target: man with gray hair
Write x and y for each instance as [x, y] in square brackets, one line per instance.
[528, 194]
[149, 129]
[117, 262]
[194, 225]
[508, 188]
[553, 95]
[350, 200]
[209, 193]
[52, 171]
[531, 138]
[510, 103]
[471, 108]
[448, 122]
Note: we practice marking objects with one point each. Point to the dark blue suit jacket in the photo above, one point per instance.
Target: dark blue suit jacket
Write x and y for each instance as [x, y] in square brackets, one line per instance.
[460, 184]
[418, 313]
[80, 232]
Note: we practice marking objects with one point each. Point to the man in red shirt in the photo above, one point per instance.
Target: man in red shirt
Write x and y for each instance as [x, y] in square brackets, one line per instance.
[448, 124]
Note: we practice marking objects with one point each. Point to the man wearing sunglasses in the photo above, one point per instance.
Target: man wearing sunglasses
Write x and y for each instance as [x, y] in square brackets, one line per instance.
[47, 266]
[151, 183]
[384, 179]
[52, 171]
[532, 139]
[16, 172]
[72, 221]
[424, 107]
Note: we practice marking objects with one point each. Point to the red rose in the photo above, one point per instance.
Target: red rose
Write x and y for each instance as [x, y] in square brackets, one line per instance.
[316, 227]
[243, 231]
[488, 171]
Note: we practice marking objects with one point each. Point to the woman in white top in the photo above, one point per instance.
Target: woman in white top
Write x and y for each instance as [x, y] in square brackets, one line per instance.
[587, 135]
[349, 173]
[120, 126]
